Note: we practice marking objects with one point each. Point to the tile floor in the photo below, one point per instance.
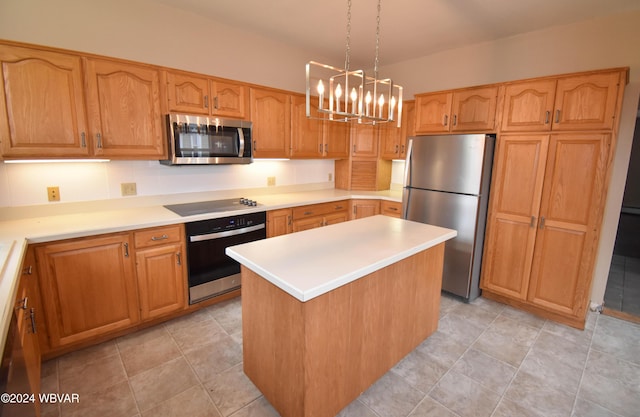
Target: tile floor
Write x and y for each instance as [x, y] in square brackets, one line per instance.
[623, 285]
[486, 359]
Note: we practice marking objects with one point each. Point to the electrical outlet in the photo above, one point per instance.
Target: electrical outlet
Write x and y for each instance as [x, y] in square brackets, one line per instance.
[53, 193]
[128, 188]
[271, 181]
[330, 177]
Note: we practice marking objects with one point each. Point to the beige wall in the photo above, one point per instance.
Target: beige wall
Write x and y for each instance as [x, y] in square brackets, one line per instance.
[137, 30]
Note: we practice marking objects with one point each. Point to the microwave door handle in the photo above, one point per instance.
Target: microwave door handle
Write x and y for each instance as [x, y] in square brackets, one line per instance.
[241, 139]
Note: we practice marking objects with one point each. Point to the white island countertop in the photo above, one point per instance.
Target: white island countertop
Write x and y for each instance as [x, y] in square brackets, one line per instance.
[310, 263]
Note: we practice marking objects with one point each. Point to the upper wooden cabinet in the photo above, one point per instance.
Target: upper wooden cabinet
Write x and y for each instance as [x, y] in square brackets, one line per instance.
[41, 104]
[581, 102]
[393, 139]
[123, 105]
[271, 118]
[194, 94]
[365, 140]
[306, 133]
[471, 109]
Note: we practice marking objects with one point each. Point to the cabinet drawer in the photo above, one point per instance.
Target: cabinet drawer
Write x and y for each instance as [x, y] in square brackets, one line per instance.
[157, 236]
[391, 208]
[312, 210]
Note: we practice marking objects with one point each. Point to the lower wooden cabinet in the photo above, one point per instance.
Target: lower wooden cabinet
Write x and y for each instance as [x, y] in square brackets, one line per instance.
[100, 285]
[90, 286]
[364, 208]
[543, 225]
[391, 208]
[318, 215]
[160, 270]
[279, 222]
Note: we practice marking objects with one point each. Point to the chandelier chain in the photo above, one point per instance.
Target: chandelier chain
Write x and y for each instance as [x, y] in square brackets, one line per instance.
[347, 57]
[376, 63]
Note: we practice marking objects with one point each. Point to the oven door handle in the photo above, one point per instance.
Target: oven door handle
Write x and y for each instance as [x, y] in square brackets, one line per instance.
[218, 235]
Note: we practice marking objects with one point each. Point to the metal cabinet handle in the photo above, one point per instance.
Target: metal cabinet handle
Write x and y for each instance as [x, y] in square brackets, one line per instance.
[455, 119]
[126, 250]
[255, 145]
[163, 237]
[326, 148]
[557, 116]
[290, 219]
[206, 102]
[32, 316]
[99, 137]
[179, 258]
[215, 102]
[402, 147]
[393, 208]
[542, 222]
[354, 148]
[338, 207]
[28, 270]
[547, 115]
[22, 304]
[307, 213]
[83, 138]
[533, 221]
[446, 120]
[320, 148]
[397, 148]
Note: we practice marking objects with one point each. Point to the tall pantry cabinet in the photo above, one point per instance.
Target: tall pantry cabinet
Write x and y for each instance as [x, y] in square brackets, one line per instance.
[551, 170]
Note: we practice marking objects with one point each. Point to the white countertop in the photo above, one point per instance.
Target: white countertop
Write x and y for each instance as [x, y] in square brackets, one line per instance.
[313, 262]
[47, 223]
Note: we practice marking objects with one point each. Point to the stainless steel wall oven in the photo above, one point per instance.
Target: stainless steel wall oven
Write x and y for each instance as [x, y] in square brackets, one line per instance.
[211, 271]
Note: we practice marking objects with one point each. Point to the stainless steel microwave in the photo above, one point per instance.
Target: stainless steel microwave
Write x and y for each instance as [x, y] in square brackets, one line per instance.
[203, 140]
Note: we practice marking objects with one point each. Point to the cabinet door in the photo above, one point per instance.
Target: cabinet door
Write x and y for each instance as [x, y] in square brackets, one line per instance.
[90, 287]
[229, 99]
[41, 104]
[336, 138]
[586, 102]
[123, 102]
[161, 280]
[271, 118]
[518, 176]
[365, 140]
[432, 112]
[279, 222]
[390, 140]
[474, 109]
[408, 125]
[571, 211]
[364, 208]
[188, 93]
[306, 133]
[528, 106]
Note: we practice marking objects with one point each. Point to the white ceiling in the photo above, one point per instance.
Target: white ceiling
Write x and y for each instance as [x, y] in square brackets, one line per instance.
[409, 28]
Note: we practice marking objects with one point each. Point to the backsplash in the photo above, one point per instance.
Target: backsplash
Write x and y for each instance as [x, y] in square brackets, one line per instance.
[26, 184]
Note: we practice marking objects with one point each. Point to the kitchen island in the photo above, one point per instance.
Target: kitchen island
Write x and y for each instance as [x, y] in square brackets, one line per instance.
[328, 311]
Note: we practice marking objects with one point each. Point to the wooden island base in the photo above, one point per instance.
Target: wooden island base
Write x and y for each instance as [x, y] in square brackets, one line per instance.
[314, 358]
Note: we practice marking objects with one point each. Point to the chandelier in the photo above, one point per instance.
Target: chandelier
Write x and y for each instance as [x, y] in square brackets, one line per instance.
[346, 95]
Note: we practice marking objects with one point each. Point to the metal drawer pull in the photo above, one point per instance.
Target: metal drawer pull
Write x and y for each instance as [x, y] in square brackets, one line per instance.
[339, 207]
[163, 237]
[28, 270]
[126, 250]
[307, 213]
[393, 208]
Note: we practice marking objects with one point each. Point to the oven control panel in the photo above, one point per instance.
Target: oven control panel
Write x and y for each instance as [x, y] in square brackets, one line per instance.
[225, 223]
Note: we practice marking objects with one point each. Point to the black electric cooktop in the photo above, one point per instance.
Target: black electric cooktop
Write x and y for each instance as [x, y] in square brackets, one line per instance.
[213, 206]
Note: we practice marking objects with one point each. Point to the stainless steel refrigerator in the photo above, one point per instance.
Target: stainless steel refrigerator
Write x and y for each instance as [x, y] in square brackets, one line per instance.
[446, 183]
